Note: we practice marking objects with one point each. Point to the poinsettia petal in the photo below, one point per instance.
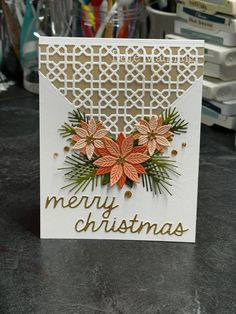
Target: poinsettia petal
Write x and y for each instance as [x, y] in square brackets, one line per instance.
[136, 158]
[140, 149]
[116, 174]
[75, 138]
[131, 172]
[84, 124]
[136, 136]
[153, 123]
[162, 141]
[122, 180]
[120, 139]
[159, 121]
[81, 132]
[80, 144]
[89, 151]
[140, 169]
[112, 147]
[163, 129]
[160, 148]
[98, 144]
[103, 170]
[152, 147]
[127, 145]
[102, 151]
[83, 150]
[92, 126]
[144, 122]
[100, 133]
[142, 129]
[100, 126]
[105, 161]
[143, 139]
[168, 134]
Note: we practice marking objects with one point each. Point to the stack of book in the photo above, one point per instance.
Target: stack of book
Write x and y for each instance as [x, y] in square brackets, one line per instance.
[215, 22]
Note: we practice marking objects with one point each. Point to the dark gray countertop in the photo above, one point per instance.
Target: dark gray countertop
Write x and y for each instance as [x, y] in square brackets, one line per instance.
[88, 276]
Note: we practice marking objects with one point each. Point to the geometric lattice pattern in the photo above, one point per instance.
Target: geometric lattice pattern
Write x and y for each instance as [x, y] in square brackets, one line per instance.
[121, 81]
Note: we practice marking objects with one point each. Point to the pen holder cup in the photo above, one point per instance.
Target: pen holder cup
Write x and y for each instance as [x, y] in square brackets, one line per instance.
[161, 23]
[123, 23]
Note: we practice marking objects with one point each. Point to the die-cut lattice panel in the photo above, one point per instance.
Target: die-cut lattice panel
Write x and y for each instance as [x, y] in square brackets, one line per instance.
[120, 82]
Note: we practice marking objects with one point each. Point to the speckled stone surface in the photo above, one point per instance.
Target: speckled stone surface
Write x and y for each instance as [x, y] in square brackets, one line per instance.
[73, 276]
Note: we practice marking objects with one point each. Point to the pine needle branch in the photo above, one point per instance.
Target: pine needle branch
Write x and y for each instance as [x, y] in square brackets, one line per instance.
[75, 117]
[171, 116]
[81, 173]
[66, 130]
[158, 173]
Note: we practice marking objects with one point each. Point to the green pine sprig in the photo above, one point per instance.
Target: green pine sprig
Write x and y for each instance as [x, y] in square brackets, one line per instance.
[75, 117]
[81, 172]
[158, 173]
[171, 116]
[66, 130]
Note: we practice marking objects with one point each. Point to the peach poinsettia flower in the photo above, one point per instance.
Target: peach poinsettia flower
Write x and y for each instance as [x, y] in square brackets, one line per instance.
[121, 159]
[89, 137]
[153, 134]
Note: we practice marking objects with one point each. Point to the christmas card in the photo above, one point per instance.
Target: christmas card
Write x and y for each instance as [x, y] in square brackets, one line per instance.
[119, 138]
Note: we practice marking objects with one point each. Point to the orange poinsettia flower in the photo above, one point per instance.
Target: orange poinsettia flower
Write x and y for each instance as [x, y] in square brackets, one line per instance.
[153, 134]
[121, 159]
[89, 137]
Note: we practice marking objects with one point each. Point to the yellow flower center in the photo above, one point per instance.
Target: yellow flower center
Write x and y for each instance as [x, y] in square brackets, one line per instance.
[152, 135]
[121, 160]
[89, 139]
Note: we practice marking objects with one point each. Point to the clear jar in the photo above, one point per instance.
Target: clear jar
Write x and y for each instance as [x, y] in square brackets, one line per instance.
[120, 22]
[48, 19]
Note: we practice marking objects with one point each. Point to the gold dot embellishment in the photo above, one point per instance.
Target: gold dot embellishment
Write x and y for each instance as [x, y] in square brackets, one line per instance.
[128, 194]
[66, 149]
[174, 152]
[184, 145]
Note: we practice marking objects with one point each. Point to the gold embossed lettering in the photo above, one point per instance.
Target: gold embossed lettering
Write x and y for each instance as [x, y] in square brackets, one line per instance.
[179, 230]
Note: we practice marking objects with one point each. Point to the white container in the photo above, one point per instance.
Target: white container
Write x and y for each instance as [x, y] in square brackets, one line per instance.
[161, 23]
[213, 37]
[216, 89]
[213, 6]
[220, 71]
[214, 53]
[226, 108]
[214, 23]
[210, 118]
